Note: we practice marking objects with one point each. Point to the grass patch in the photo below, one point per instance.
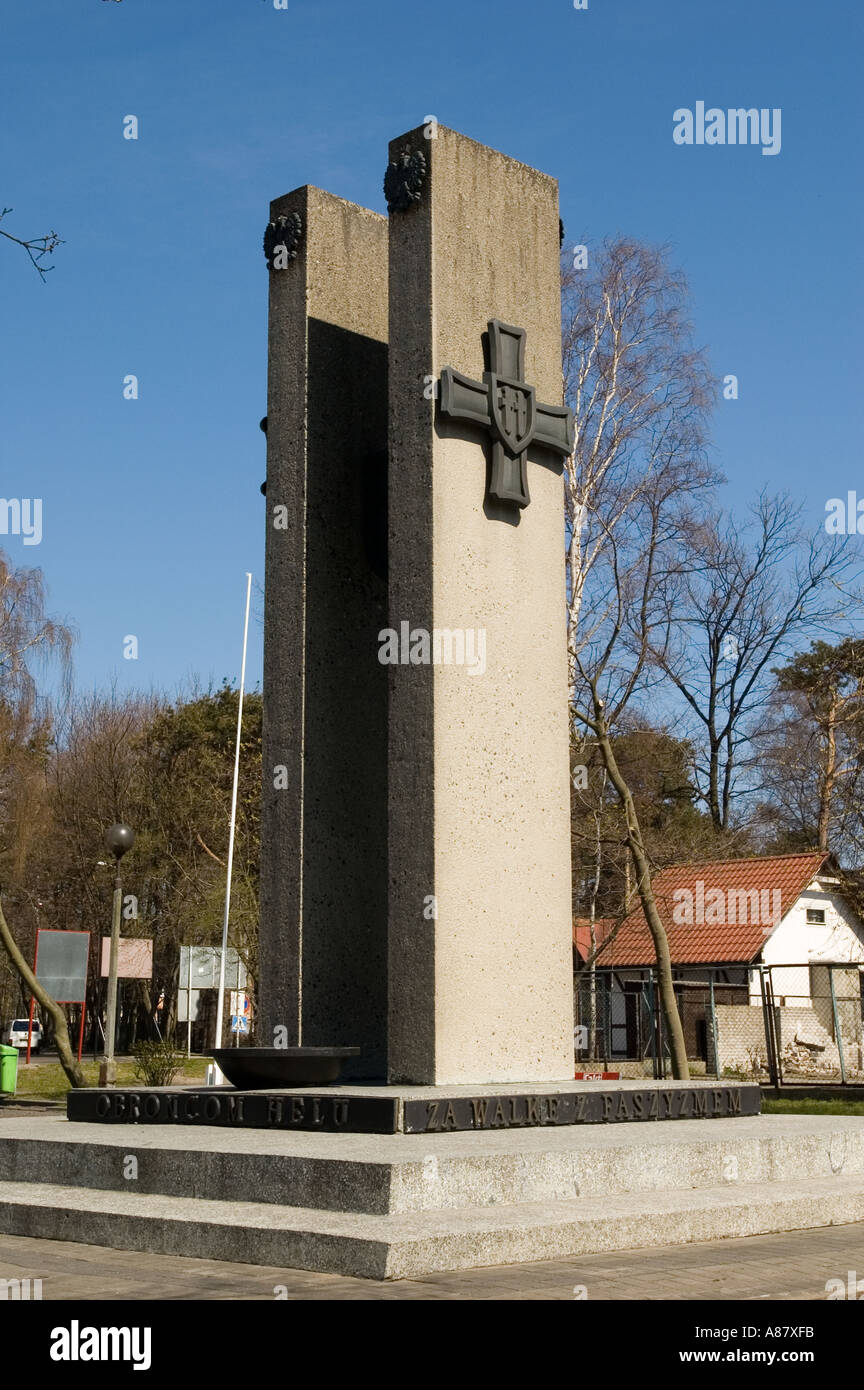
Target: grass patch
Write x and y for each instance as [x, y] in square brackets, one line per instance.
[47, 1081]
[771, 1105]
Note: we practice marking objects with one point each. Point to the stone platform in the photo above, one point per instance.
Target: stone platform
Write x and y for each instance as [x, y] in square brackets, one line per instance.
[402, 1205]
[360, 1109]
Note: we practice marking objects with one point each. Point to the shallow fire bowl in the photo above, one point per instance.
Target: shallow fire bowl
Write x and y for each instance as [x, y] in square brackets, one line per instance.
[257, 1068]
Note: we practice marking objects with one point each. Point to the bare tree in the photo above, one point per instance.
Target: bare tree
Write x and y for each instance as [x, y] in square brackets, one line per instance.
[27, 636]
[30, 641]
[640, 393]
[743, 597]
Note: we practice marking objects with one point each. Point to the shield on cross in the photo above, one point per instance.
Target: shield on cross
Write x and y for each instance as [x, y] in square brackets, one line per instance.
[513, 407]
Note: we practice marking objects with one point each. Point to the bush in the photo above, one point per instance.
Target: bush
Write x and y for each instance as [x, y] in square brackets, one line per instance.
[157, 1063]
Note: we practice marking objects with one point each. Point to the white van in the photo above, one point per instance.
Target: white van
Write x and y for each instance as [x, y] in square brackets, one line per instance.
[15, 1035]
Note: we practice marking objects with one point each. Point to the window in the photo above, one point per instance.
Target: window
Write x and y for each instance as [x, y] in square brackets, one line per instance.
[816, 916]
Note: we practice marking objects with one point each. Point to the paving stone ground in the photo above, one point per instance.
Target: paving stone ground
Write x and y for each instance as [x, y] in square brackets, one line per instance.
[796, 1265]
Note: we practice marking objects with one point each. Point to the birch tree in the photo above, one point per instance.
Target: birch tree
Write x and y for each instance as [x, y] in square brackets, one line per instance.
[640, 392]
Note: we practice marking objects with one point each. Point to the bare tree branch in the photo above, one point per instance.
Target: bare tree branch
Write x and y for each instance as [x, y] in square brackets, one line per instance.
[36, 247]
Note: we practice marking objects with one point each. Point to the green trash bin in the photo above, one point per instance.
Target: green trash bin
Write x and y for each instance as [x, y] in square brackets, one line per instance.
[8, 1069]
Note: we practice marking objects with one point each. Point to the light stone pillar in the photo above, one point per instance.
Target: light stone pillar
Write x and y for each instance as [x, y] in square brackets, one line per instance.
[324, 813]
[479, 827]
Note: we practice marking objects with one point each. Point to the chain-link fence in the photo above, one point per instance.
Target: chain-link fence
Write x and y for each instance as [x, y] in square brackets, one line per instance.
[618, 1023]
[772, 1023]
[813, 1017]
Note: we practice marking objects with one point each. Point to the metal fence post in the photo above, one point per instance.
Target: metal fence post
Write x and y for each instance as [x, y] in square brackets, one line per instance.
[837, 1033]
[656, 1030]
[770, 1023]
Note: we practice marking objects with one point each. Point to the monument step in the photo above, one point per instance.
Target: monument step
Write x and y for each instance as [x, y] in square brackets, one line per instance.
[381, 1174]
[411, 1245]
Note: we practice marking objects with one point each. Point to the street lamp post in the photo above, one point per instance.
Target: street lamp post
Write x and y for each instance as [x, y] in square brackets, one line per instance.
[118, 839]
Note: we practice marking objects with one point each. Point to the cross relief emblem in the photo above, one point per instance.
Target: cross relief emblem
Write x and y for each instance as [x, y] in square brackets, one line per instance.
[508, 409]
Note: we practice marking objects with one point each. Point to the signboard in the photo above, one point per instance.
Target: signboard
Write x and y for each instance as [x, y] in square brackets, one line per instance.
[241, 1012]
[199, 968]
[187, 1005]
[134, 957]
[61, 964]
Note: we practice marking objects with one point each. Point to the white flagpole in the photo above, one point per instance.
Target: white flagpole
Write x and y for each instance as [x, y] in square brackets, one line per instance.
[214, 1074]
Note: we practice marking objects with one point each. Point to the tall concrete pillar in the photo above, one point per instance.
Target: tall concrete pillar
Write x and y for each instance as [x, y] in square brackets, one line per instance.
[480, 956]
[323, 959]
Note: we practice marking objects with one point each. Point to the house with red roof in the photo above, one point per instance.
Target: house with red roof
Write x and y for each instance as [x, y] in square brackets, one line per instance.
[732, 925]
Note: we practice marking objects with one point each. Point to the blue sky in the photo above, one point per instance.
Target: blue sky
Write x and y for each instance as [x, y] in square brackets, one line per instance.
[152, 512]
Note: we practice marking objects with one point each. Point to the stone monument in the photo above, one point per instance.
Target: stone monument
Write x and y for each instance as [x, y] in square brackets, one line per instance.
[415, 884]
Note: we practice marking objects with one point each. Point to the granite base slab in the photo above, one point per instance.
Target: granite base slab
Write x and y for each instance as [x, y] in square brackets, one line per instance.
[415, 1110]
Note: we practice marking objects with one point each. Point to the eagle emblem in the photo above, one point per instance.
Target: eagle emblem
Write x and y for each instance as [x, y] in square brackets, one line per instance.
[403, 181]
[282, 236]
